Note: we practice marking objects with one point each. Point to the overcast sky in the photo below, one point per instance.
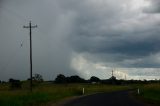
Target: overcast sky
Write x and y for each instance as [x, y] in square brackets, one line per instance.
[81, 37]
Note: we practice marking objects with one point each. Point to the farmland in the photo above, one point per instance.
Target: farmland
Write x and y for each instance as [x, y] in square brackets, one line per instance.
[150, 93]
[46, 92]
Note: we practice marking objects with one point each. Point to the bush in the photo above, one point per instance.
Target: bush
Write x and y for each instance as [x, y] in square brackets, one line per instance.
[38, 78]
[15, 84]
[94, 79]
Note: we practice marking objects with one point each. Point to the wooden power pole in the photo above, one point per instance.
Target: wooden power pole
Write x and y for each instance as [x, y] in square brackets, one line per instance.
[30, 29]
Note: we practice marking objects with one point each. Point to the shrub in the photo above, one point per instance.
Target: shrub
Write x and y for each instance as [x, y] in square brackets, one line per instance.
[15, 84]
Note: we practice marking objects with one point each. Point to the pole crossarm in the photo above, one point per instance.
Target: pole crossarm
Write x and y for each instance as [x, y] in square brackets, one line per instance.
[31, 26]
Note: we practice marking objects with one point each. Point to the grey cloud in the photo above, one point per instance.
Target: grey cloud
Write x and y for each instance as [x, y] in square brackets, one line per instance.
[51, 52]
[97, 35]
[105, 31]
[154, 7]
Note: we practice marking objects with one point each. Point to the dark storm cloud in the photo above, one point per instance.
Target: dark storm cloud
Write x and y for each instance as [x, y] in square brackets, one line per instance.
[117, 34]
[109, 32]
[122, 46]
[154, 7]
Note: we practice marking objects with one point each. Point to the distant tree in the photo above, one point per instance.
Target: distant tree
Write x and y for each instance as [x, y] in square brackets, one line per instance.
[15, 84]
[60, 79]
[72, 79]
[94, 79]
[38, 78]
[113, 78]
[75, 79]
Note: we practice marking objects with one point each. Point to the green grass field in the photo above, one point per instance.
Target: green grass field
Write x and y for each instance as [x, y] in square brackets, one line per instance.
[44, 93]
[150, 93]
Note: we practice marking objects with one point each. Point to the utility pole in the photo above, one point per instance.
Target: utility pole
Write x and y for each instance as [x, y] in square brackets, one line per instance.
[30, 29]
[112, 73]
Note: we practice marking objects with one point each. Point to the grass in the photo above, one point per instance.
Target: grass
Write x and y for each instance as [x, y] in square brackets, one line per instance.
[150, 93]
[46, 92]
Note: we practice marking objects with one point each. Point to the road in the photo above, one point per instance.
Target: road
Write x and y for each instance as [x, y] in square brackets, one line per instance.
[120, 98]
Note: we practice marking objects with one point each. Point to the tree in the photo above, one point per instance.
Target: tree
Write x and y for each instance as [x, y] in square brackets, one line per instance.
[75, 79]
[94, 79]
[60, 79]
[72, 79]
[113, 80]
[38, 77]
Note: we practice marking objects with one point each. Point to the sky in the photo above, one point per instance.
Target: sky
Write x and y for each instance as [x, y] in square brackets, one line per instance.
[81, 37]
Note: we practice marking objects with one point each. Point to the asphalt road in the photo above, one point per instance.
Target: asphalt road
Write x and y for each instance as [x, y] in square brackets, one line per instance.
[121, 98]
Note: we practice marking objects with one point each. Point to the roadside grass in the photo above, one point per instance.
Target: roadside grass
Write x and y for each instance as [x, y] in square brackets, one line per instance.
[46, 92]
[150, 93]
[89, 89]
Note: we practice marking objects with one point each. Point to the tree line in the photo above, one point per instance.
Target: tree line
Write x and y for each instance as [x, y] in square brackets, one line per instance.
[74, 79]
[62, 79]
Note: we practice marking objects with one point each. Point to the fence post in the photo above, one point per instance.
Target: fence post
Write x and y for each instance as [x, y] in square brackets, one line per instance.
[138, 91]
[83, 91]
